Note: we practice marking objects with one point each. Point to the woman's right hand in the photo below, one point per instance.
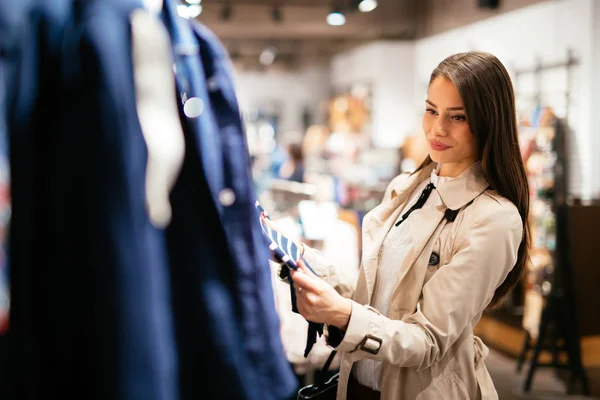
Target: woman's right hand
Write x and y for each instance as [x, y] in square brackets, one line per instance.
[343, 280]
[319, 302]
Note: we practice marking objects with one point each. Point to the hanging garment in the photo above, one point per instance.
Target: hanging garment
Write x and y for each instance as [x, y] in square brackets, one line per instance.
[260, 322]
[214, 225]
[26, 68]
[4, 224]
[5, 211]
[103, 306]
[91, 311]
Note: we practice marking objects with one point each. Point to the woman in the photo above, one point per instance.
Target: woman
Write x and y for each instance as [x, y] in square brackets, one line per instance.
[447, 242]
[293, 169]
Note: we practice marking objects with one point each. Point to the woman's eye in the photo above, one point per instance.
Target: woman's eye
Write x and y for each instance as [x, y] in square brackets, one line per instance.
[459, 118]
[430, 111]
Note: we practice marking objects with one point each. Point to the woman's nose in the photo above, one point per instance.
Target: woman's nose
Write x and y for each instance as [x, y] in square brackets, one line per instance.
[439, 127]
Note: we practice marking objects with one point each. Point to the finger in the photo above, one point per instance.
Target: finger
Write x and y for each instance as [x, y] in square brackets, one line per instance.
[304, 281]
[304, 268]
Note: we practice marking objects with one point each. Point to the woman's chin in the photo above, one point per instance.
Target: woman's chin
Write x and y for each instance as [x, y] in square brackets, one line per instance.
[435, 157]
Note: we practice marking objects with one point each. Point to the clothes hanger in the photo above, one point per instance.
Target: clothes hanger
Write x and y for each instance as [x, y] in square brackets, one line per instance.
[157, 109]
[153, 6]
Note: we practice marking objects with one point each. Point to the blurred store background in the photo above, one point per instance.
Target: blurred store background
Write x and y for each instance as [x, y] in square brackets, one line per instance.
[332, 95]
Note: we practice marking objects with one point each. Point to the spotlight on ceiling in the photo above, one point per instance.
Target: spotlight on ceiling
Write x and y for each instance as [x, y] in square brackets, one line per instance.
[336, 17]
[367, 5]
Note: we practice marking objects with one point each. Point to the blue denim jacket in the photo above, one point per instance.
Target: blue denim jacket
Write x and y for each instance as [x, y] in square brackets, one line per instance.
[246, 242]
[91, 303]
[241, 328]
[93, 312]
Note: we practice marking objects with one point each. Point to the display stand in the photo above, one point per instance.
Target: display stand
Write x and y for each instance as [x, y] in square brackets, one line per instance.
[558, 330]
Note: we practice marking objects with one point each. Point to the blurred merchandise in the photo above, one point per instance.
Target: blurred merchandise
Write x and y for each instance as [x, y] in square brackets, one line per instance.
[540, 165]
[414, 151]
[550, 316]
[349, 113]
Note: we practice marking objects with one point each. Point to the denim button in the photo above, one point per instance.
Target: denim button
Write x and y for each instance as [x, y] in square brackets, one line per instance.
[193, 107]
[226, 197]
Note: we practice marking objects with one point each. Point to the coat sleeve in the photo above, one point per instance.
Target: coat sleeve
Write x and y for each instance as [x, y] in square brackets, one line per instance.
[454, 296]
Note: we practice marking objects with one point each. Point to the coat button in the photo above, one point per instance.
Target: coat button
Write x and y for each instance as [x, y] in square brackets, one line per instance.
[226, 197]
[434, 259]
[193, 107]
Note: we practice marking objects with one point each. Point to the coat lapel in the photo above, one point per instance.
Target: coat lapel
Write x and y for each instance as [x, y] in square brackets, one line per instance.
[425, 227]
[375, 228]
[422, 226]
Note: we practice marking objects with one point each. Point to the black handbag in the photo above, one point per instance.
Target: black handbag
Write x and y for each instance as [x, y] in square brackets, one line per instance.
[326, 389]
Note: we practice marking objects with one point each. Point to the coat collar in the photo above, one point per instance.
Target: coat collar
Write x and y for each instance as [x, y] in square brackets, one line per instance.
[455, 193]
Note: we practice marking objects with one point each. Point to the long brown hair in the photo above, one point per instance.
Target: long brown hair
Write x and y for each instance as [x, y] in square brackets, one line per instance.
[487, 93]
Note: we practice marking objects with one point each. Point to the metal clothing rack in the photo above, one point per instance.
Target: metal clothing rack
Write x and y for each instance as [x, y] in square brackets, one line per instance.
[559, 324]
[537, 70]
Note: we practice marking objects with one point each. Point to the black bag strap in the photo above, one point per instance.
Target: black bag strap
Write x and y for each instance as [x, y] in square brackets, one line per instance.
[328, 363]
[322, 377]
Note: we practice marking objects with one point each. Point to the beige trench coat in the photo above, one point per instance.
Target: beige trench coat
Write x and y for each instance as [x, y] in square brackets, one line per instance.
[427, 344]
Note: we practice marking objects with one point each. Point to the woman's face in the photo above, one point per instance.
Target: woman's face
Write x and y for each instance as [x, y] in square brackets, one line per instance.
[447, 131]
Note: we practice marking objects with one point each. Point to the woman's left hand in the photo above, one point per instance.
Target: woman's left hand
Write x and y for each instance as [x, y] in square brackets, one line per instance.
[317, 301]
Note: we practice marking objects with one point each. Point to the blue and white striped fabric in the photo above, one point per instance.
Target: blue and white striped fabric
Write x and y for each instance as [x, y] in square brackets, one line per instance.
[284, 250]
[287, 253]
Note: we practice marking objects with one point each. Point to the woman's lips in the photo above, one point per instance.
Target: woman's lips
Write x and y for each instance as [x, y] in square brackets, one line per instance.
[438, 146]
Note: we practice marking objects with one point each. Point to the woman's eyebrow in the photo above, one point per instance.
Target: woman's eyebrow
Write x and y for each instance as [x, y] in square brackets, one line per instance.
[449, 108]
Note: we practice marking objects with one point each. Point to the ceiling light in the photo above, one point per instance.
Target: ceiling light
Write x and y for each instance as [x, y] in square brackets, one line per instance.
[336, 18]
[194, 10]
[193, 1]
[367, 5]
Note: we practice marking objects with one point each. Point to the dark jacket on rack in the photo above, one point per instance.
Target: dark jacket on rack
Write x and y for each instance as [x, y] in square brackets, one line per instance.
[91, 313]
[104, 304]
[213, 204]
